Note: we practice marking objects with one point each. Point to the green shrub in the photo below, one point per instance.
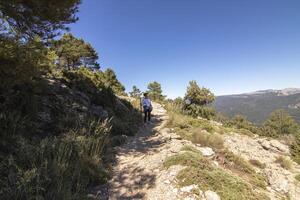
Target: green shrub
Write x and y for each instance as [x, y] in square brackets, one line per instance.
[241, 122]
[295, 148]
[200, 111]
[279, 123]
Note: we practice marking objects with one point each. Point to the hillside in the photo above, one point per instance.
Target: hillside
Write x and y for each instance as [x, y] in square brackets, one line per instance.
[178, 157]
[258, 105]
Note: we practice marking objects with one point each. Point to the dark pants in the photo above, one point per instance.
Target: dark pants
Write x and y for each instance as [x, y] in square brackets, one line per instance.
[147, 114]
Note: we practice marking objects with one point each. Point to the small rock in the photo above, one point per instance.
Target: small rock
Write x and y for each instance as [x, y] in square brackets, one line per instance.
[175, 137]
[167, 182]
[172, 173]
[206, 151]
[216, 163]
[210, 195]
[189, 188]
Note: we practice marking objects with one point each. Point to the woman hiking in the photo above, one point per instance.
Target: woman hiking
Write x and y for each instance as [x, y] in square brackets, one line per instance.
[147, 106]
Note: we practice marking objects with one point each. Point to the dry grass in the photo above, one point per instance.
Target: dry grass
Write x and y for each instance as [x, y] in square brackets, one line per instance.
[257, 163]
[284, 162]
[204, 138]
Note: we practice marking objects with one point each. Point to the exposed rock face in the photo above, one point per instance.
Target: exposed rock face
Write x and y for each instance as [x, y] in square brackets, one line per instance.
[273, 145]
[98, 111]
[60, 101]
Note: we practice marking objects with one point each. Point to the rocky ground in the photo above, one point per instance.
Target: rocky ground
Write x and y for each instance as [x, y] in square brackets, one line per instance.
[138, 171]
[282, 183]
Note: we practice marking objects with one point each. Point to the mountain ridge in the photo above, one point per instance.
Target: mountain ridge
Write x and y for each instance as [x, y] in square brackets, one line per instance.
[257, 106]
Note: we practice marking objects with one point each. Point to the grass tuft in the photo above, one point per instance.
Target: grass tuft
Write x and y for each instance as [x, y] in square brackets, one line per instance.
[257, 163]
[284, 162]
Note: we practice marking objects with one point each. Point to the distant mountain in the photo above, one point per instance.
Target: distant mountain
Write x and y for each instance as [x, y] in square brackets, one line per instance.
[257, 106]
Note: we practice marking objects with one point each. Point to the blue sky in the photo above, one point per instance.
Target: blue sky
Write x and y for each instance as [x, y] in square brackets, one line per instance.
[229, 46]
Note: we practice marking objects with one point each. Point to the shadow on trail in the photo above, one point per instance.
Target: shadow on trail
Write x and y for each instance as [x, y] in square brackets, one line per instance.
[130, 180]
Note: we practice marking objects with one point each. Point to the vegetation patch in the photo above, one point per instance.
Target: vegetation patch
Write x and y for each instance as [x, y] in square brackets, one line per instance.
[257, 163]
[208, 139]
[284, 162]
[201, 172]
[241, 167]
[297, 177]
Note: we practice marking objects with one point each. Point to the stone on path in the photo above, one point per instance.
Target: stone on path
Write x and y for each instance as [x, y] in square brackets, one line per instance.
[210, 195]
[206, 151]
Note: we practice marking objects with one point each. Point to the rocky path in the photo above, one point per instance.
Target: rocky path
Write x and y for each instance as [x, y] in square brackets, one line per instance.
[138, 170]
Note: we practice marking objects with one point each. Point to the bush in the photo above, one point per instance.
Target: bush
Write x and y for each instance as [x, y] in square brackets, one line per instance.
[279, 123]
[295, 149]
[284, 162]
[200, 111]
[208, 139]
[242, 123]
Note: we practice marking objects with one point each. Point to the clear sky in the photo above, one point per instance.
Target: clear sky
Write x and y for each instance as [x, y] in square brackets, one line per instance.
[229, 46]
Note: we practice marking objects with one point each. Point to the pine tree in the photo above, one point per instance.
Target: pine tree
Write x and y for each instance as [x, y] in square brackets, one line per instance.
[279, 123]
[74, 52]
[197, 95]
[155, 91]
[43, 18]
[135, 92]
[110, 80]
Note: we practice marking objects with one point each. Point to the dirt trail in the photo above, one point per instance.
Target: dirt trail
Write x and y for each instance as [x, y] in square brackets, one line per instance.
[138, 172]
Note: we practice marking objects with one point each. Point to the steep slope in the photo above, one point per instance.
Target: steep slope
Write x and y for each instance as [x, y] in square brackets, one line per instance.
[258, 105]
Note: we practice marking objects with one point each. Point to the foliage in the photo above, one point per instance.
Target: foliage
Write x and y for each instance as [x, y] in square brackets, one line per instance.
[201, 172]
[199, 111]
[242, 167]
[73, 52]
[135, 93]
[196, 99]
[241, 122]
[42, 18]
[59, 168]
[279, 123]
[295, 148]
[197, 95]
[155, 91]
[110, 80]
[53, 132]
